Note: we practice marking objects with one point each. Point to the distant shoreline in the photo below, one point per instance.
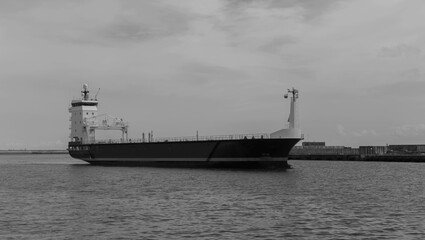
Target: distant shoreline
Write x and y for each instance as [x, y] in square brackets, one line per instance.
[33, 152]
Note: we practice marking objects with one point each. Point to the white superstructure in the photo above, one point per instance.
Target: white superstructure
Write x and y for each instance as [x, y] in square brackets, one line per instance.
[85, 120]
[80, 110]
[293, 130]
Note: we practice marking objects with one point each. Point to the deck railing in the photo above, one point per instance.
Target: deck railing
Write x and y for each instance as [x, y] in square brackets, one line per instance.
[184, 139]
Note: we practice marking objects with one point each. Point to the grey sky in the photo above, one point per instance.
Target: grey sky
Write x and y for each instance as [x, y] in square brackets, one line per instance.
[217, 66]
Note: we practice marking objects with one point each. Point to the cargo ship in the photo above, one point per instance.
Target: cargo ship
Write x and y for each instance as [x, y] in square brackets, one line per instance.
[239, 151]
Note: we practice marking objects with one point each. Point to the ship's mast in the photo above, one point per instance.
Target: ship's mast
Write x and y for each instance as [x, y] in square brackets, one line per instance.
[293, 118]
[293, 130]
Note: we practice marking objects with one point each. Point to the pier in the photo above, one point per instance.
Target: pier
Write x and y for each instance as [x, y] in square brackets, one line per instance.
[389, 153]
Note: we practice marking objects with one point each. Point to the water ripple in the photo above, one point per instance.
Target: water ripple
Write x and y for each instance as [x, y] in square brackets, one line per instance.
[316, 200]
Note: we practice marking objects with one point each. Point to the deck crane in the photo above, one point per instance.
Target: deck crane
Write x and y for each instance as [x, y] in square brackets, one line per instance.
[106, 122]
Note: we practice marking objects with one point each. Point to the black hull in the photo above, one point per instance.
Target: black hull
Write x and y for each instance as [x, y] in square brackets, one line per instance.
[245, 153]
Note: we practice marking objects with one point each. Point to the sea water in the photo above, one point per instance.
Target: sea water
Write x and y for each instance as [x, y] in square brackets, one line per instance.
[56, 197]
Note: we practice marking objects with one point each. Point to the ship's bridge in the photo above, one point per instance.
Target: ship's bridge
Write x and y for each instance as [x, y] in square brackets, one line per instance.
[81, 109]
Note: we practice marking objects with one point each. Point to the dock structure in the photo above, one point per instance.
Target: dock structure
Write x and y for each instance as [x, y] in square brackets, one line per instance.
[389, 153]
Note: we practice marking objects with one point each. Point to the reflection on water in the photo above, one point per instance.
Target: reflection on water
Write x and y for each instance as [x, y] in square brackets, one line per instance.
[56, 197]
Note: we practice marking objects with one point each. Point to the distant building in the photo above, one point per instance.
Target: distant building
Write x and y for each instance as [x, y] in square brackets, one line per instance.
[313, 144]
[412, 148]
[321, 149]
[373, 150]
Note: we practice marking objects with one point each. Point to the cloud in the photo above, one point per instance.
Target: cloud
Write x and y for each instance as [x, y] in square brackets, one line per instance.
[400, 50]
[341, 130]
[96, 22]
[364, 132]
[358, 133]
[208, 73]
[311, 9]
[410, 130]
[276, 43]
[406, 88]
[145, 21]
[10, 7]
[269, 25]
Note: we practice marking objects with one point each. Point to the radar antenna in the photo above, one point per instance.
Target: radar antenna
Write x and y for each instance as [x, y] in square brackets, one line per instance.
[294, 93]
[85, 92]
